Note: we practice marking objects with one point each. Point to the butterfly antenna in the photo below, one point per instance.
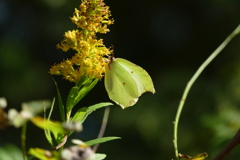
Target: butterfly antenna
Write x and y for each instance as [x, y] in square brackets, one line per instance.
[112, 50]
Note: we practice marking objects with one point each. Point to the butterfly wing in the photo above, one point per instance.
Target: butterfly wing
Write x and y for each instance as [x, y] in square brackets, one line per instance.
[141, 77]
[125, 82]
[120, 85]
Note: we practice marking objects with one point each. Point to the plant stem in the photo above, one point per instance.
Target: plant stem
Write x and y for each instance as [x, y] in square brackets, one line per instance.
[23, 140]
[231, 145]
[103, 127]
[193, 79]
[61, 144]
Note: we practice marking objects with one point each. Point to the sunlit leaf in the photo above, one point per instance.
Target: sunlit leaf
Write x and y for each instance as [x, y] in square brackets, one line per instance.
[82, 113]
[53, 126]
[100, 140]
[200, 156]
[98, 156]
[44, 154]
[71, 98]
[78, 92]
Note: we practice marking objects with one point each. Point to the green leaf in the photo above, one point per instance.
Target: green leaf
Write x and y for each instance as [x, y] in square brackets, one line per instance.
[44, 154]
[100, 140]
[48, 134]
[78, 92]
[53, 126]
[82, 113]
[60, 103]
[10, 152]
[71, 98]
[98, 156]
[200, 156]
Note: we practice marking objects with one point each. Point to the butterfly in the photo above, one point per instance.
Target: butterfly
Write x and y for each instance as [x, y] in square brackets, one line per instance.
[126, 81]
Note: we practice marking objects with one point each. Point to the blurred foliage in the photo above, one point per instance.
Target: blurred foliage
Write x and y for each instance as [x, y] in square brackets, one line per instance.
[10, 152]
[169, 39]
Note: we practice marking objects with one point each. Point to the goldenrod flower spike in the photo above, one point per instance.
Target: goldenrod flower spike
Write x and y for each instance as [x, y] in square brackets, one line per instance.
[91, 55]
[93, 16]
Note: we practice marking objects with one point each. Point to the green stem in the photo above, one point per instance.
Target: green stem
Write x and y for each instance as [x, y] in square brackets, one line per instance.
[23, 140]
[193, 79]
[69, 115]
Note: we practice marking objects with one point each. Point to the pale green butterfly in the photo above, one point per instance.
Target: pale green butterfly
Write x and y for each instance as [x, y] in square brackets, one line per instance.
[125, 82]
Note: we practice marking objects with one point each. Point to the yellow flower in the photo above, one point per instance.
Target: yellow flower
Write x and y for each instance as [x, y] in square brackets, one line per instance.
[91, 55]
[93, 16]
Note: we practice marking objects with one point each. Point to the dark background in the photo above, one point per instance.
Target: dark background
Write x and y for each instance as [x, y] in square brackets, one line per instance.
[168, 38]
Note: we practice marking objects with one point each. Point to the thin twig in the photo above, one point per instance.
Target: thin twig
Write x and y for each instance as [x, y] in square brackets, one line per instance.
[61, 144]
[193, 79]
[103, 127]
[230, 146]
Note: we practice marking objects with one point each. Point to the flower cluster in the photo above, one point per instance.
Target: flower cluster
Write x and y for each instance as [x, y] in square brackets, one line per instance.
[91, 55]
